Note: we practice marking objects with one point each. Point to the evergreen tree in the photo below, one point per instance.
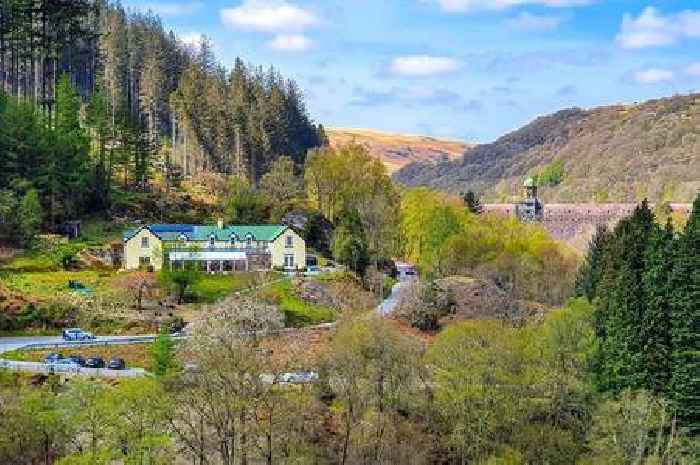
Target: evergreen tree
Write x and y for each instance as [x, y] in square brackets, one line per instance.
[163, 354]
[685, 324]
[591, 270]
[31, 216]
[654, 327]
[472, 202]
[622, 305]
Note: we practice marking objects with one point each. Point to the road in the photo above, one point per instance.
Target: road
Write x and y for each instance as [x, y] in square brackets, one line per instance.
[389, 304]
[8, 344]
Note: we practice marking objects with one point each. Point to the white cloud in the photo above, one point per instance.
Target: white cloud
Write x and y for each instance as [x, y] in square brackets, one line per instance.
[654, 76]
[269, 16]
[693, 69]
[530, 22]
[291, 43]
[653, 29]
[463, 6]
[423, 65]
[169, 8]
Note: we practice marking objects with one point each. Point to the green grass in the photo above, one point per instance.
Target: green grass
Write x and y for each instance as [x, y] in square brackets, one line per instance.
[31, 262]
[99, 232]
[51, 283]
[297, 312]
[16, 356]
[211, 288]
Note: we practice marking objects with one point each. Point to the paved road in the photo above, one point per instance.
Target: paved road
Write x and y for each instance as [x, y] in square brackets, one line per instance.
[8, 344]
[390, 303]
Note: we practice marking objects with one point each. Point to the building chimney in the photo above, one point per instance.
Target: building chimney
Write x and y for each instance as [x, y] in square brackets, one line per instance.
[220, 223]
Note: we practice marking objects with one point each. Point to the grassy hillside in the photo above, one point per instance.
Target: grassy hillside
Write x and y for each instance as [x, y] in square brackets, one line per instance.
[399, 150]
[616, 153]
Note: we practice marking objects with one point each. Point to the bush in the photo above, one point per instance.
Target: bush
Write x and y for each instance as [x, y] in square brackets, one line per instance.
[64, 255]
[424, 304]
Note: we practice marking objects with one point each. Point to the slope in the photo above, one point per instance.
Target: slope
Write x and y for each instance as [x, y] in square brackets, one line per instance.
[399, 150]
[619, 153]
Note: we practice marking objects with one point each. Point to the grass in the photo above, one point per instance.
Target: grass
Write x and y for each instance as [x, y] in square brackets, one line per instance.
[44, 284]
[30, 262]
[99, 232]
[297, 312]
[211, 288]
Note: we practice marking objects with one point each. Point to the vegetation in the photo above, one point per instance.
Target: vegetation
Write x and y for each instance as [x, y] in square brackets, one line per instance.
[481, 392]
[210, 288]
[297, 312]
[522, 259]
[620, 153]
[119, 104]
[643, 280]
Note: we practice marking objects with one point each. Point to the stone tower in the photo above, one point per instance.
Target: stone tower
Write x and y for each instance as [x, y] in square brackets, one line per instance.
[530, 209]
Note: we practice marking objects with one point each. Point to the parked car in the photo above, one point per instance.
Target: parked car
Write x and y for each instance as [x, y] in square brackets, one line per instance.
[76, 334]
[53, 358]
[298, 377]
[116, 364]
[65, 362]
[77, 359]
[95, 362]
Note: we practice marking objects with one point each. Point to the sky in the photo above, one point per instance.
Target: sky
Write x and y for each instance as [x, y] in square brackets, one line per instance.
[463, 69]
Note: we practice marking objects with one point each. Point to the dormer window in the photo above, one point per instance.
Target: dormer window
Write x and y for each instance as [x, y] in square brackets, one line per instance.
[183, 238]
[249, 241]
[212, 241]
[233, 240]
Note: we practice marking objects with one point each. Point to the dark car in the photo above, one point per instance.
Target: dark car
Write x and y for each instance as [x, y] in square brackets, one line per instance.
[77, 359]
[53, 358]
[94, 362]
[116, 364]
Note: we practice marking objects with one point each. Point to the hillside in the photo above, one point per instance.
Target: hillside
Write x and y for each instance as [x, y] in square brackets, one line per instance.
[399, 150]
[617, 153]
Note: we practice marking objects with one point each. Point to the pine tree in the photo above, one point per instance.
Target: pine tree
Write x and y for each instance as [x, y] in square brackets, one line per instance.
[622, 304]
[591, 270]
[685, 323]
[30, 217]
[472, 202]
[654, 327]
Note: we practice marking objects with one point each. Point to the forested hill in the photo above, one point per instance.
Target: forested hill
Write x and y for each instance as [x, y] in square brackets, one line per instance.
[129, 102]
[618, 153]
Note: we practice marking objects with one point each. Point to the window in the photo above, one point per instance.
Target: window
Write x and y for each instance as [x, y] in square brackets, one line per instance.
[212, 241]
[289, 261]
[249, 241]
[144, 242]
[233, 240]
[289, 242]
[144, 261]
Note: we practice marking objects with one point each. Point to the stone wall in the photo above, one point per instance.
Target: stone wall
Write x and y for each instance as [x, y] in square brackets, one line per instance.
[576, 223]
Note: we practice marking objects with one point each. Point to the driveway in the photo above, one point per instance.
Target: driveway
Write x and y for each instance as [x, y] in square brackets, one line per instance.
[390, 303]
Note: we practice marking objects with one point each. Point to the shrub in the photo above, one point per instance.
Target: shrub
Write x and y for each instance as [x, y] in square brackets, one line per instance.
[424, 304]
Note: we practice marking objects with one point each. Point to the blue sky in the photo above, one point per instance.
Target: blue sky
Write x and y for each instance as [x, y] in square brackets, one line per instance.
[467, 69]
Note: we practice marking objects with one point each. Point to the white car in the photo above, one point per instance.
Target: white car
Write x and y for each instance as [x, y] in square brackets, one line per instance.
[76, 334]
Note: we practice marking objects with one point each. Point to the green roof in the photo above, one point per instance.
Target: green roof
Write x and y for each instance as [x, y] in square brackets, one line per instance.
[175, 232]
